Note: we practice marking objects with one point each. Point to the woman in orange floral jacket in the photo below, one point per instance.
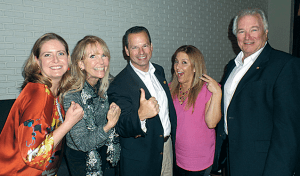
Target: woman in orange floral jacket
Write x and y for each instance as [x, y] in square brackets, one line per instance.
[31, 140]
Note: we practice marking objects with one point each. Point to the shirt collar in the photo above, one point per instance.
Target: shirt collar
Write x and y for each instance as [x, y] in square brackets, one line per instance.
[141, 73]
[238, 60]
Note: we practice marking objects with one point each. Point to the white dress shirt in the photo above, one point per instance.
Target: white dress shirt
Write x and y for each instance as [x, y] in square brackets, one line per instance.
[235, 77]
[157, 91]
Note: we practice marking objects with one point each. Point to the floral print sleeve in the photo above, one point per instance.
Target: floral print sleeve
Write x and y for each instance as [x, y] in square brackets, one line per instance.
[39, 120]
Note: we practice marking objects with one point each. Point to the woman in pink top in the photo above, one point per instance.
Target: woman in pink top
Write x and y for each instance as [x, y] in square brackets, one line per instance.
[197, 100]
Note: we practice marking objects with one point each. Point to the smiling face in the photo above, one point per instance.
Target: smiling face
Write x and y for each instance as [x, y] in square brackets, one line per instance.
[183, 69]
[53, 60]
[250, 34]
[139, 50]
[95, 63]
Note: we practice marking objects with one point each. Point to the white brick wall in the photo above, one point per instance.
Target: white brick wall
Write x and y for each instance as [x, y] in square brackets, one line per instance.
[172, 23]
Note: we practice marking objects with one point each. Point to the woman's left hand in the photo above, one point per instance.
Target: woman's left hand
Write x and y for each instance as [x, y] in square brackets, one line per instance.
[113, 115]
[213, 106]
[211, 84]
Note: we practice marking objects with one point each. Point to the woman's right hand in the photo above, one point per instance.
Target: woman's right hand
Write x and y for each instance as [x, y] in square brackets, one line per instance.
[74, 113]
[113, 115]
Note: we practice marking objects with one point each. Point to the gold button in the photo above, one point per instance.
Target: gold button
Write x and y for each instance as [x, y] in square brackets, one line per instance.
[160, 135]
[161, 153]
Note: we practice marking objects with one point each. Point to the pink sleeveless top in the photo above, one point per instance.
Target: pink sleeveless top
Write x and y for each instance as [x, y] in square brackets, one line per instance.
[195, 142]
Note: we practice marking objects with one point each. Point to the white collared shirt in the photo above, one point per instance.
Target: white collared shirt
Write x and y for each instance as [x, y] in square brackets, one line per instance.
[235, 77]
[157, 91]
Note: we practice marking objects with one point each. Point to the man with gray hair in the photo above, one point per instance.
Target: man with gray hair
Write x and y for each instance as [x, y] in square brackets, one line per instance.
[260, 105]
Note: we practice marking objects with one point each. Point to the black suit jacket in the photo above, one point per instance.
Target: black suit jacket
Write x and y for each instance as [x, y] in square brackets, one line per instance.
[139, 155]
[263, 117]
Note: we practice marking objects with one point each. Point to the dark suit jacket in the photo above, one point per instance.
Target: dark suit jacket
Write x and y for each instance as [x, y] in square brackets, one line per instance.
[139, 155]
[264, 117]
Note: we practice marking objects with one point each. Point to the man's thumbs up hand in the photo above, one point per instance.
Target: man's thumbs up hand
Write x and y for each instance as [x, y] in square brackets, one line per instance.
[148, 108]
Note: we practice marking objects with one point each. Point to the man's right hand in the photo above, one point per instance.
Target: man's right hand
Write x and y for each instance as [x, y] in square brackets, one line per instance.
[148, 108]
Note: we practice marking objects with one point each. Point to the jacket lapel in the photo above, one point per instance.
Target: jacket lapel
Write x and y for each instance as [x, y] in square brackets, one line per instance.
[253, 74]
[141, 84]
[161, 80]
[230, 66]
[138, 81]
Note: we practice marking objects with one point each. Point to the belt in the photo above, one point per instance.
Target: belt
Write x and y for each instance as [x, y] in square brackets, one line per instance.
[166, 138]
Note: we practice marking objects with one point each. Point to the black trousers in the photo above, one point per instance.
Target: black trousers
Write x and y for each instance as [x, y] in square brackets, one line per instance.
[182, 172]
[77, 160]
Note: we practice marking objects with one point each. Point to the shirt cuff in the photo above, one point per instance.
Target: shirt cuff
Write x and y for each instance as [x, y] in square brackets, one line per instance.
[143, 125]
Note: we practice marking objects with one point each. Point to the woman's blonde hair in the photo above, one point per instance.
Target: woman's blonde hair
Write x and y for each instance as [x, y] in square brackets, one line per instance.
[31, 71]
[197, 62]
[78, 54]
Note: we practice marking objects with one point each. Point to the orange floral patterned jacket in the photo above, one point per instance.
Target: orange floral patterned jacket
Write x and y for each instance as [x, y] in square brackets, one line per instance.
[26, 141]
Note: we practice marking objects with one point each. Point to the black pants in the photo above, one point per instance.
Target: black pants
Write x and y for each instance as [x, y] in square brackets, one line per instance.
[183, 172]
[77, 160]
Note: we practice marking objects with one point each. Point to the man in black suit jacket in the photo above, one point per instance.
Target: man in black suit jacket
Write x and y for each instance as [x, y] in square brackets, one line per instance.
[148, 117]
[261, 104]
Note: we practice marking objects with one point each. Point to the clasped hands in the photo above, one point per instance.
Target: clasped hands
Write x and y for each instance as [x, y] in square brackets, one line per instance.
[148, 108]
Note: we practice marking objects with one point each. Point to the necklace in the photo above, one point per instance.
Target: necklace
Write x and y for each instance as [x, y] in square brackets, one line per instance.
[183, 95]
